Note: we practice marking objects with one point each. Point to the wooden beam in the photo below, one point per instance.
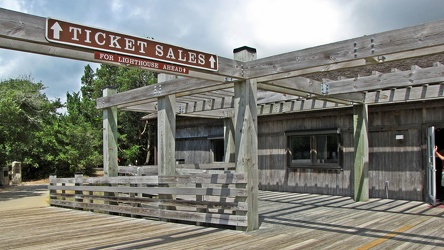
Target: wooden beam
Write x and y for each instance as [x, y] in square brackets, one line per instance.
[293, 106]
[408, 94]
[245, 136]
[229, 142]
[348, 98]
[392, 45]
[110, 164]
[361, 153]
[308, 88]
[179, 87]
[215, 114]
[270, 103]
[283, 90]
[302, 84]
[166, 134]
[397, 79]
[24, 32]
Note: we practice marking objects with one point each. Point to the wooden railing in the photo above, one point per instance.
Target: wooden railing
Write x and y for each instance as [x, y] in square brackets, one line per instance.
[180, 169]
[201, 198]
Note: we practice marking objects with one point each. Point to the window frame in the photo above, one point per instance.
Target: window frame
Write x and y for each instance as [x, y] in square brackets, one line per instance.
[313, 136]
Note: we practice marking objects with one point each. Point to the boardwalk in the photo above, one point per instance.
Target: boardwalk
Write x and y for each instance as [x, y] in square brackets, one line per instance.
[288, 221]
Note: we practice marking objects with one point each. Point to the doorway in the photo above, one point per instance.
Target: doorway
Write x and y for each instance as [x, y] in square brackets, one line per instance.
[439, 142]
[218, 149]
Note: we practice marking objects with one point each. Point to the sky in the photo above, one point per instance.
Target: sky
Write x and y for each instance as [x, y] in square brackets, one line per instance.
[214, 26]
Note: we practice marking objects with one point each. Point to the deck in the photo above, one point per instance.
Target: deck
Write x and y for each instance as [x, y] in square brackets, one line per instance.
[288, 221]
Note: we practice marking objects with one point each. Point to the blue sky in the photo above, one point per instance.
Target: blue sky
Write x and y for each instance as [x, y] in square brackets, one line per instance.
[214, 26]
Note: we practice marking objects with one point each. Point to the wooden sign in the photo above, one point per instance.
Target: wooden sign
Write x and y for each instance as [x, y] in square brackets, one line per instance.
[139, 62]
[62, 32]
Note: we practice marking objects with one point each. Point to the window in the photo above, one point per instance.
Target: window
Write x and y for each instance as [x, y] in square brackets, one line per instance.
[314, 148]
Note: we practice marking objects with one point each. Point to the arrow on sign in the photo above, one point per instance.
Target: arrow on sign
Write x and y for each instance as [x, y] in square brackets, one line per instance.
[212, 61]
[56, 29]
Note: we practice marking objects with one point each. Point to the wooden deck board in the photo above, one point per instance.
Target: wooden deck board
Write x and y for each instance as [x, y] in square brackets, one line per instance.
[287, 221]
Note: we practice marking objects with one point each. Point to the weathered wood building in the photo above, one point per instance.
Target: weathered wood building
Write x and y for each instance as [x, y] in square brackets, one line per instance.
[397, 155]
[356, 118]
[307, 138]
[404, 99]
[398, 119]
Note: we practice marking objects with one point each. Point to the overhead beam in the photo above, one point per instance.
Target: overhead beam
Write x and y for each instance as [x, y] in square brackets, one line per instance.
[215, 114]
[397, 86]
[297, 86]
[407, 94]
[392, 45]
[283, 90]
[177, 86]
[24, 32]
[308, 88]
[379, 81]
[285, 106]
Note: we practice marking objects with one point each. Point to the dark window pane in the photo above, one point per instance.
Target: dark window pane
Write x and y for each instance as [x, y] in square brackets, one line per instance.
[300, 146]
[327, 148]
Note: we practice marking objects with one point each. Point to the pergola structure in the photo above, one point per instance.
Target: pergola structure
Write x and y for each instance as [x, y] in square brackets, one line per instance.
[245, 87]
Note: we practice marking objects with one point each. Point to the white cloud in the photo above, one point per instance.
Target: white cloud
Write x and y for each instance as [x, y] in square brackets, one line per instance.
[215, 26]
[13, 5]
[116, 6]
[279, 26]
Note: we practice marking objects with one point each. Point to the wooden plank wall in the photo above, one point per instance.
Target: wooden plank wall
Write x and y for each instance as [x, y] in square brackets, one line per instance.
[192, 139]
[274, 173]
[396, 167]
[198, 198]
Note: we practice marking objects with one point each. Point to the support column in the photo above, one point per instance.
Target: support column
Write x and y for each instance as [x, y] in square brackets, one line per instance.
[360, 132]
[166, 136]
[229, 145]
[110, 164]
[245, 124]
[166, 131]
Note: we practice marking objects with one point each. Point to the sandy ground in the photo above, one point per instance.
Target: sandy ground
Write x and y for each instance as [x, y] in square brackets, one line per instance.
[26, 195]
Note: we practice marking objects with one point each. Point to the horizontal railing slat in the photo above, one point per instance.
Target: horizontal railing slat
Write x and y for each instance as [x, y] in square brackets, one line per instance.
[221, 219]
[195, 195]
[152, 180]
[180, 168]
[205, 179]
[153, 212]
[224, 192]
[240, 206]
[229, 178]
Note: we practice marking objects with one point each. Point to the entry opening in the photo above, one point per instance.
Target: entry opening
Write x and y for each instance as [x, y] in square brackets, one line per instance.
[218, 150]
[439, 142]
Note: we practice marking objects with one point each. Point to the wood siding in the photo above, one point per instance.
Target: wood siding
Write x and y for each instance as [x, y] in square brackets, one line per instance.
[193, 144]
[396, 168]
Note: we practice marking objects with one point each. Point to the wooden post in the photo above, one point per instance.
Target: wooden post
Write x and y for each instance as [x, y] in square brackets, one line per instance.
[245, 124]
[110, 164]
[360, 131]
[166, 131]
[52, 182]
[78, 181]
[229, 144]
[166, 135]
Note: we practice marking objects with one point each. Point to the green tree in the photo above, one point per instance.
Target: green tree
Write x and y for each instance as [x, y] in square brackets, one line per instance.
[132, 131]
[45, 141]
[24, 113]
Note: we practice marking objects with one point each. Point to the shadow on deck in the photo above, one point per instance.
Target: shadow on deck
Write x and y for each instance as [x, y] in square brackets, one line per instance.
[288, 221]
